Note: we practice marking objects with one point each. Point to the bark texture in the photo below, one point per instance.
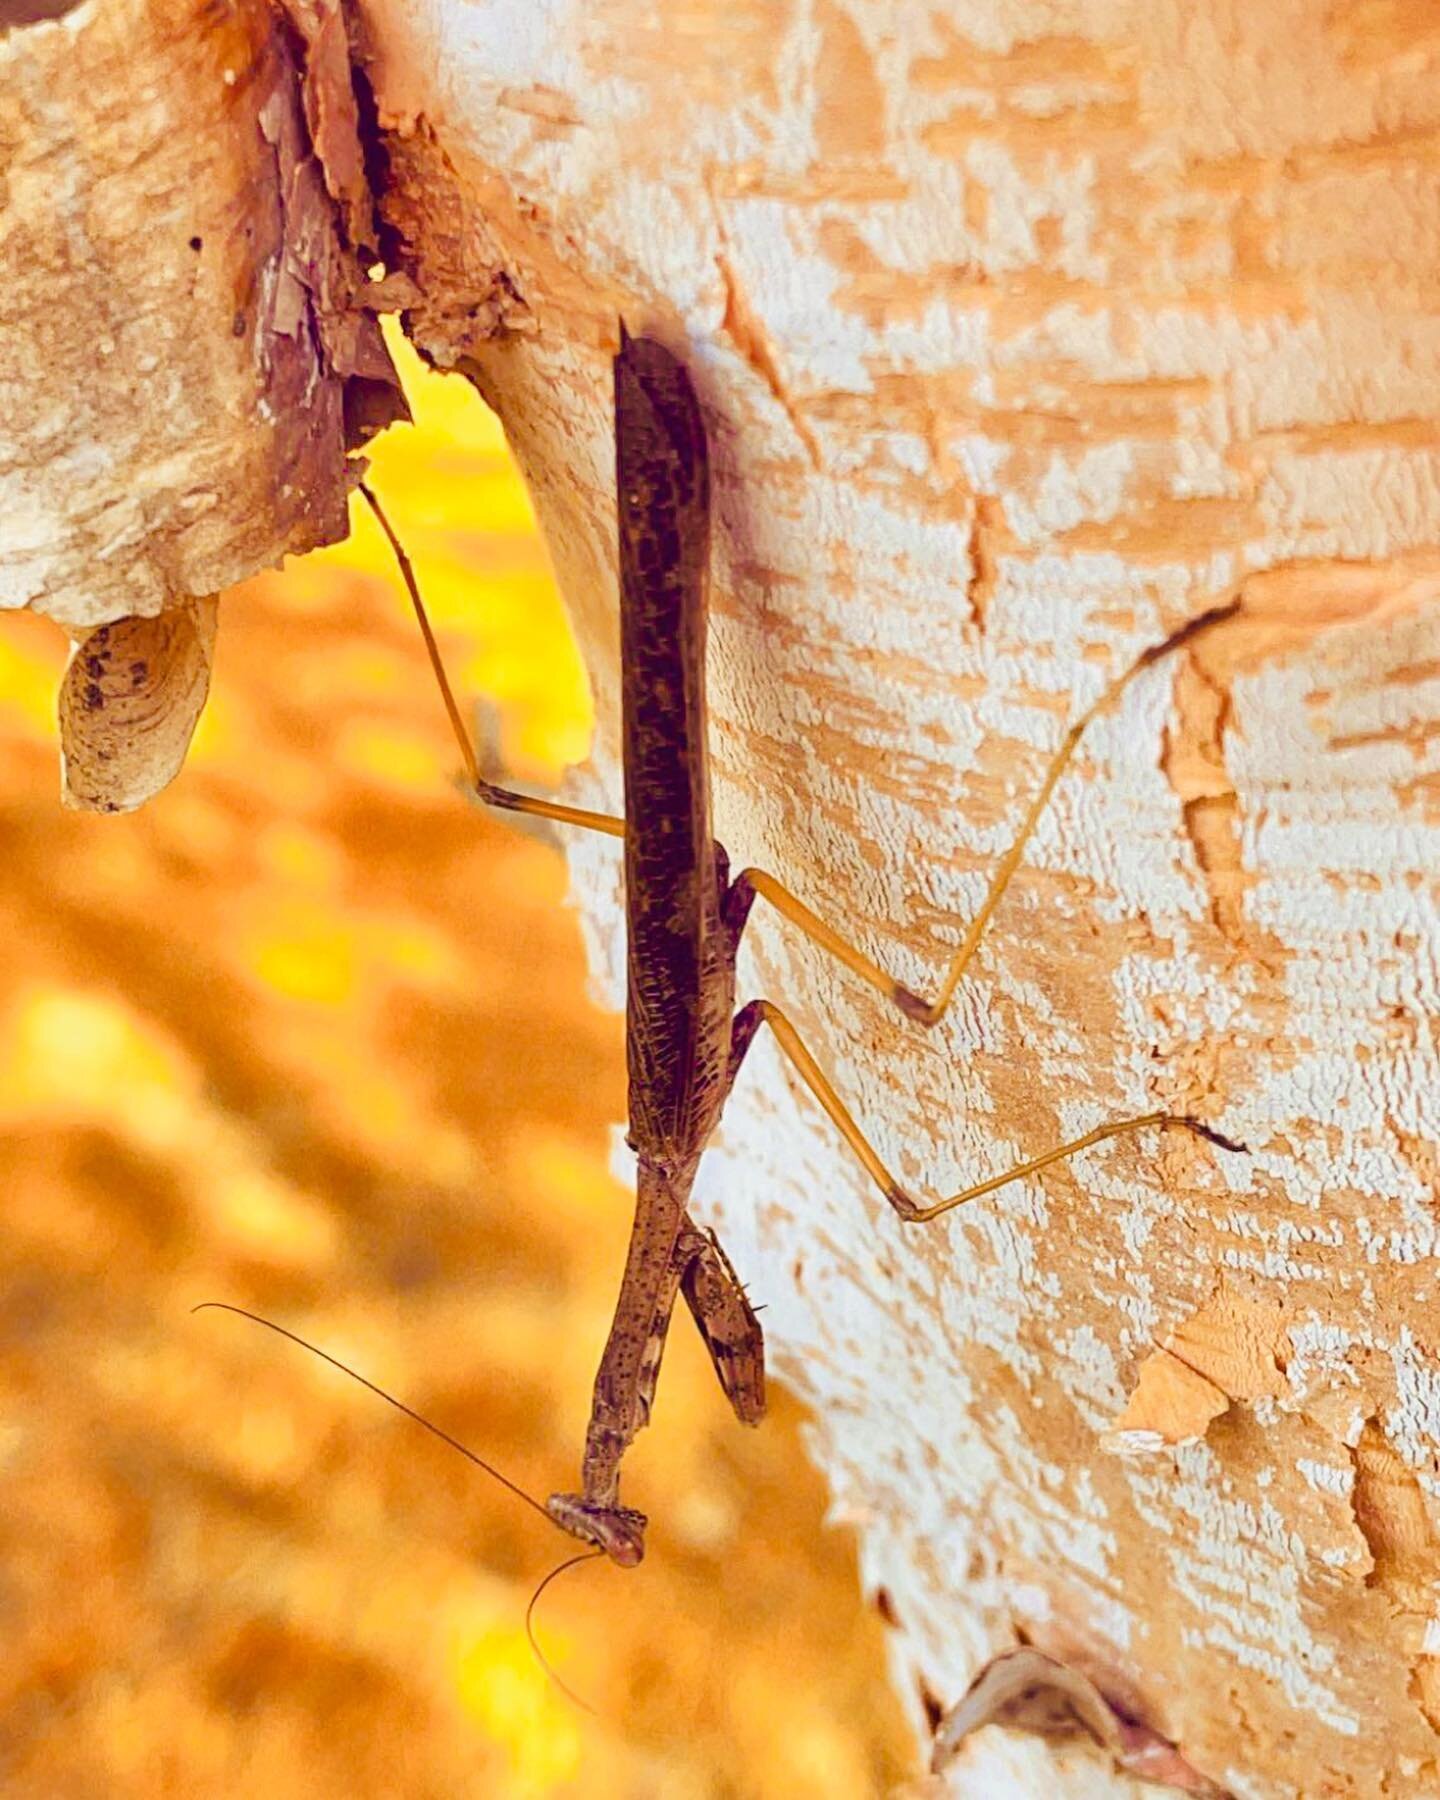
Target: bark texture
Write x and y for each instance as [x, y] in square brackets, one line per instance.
[1024, 335]
[1024, 340]
[188, 344]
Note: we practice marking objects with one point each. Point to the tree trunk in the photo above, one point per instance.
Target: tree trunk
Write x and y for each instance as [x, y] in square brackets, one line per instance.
[1020, 343]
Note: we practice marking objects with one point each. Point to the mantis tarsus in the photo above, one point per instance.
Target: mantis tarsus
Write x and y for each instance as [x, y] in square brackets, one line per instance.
[685, 916]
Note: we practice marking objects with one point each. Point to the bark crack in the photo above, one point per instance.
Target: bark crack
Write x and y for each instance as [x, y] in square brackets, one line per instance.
[986, 523]
[742, 324]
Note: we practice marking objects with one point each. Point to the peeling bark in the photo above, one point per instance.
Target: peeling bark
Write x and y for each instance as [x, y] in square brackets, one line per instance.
[1019, 351]
[1021, 341]
[189, 345]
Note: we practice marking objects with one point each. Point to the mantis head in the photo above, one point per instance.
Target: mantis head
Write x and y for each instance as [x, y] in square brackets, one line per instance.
[617, 1530]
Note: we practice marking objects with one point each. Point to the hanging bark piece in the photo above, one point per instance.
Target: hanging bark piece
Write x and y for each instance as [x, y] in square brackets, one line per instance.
[189, 343]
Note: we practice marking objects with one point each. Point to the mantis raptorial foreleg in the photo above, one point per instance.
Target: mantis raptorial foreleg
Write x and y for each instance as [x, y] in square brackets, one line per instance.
[726, 1321]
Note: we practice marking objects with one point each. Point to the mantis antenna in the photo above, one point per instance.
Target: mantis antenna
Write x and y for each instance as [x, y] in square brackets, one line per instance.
[445, 1438]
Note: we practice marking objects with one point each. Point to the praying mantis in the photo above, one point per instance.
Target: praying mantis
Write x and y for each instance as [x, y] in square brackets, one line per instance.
[685, 916]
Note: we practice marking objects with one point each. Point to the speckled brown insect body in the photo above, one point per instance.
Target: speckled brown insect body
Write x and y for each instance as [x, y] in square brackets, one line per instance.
[683, 925]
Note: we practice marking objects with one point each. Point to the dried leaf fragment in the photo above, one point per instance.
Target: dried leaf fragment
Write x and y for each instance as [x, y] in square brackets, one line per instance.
[1025, 1690]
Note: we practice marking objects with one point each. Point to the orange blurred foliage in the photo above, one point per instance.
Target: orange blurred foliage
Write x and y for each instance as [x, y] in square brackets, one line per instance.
[308, 1035]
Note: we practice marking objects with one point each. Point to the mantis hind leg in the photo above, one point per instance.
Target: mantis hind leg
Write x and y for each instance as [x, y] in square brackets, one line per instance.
[763, 1012]
[751, 883]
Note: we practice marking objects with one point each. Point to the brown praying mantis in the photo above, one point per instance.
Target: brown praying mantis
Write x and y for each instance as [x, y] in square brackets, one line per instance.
[685, 1040]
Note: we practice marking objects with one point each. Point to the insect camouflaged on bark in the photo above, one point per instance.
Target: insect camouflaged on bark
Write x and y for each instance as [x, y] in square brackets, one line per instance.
[685, 1041]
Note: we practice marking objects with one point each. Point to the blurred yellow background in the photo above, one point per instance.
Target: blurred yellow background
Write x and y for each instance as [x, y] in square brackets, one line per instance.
[309, 1035]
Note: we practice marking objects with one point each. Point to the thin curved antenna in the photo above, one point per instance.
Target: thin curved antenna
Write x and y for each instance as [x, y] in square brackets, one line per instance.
[544, 1661]
[390, 1400]
[455, 1444]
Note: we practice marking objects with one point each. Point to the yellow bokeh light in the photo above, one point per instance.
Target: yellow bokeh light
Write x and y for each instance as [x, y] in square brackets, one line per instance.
[300, 857]
[451, 492]
[505, 1690]
[411, 954]
[393, 759]
[69, 1050]
[261, 1215]
[305, 954]
[27, 681]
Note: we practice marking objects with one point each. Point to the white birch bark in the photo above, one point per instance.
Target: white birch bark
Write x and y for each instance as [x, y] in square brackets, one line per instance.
[187, 347]
[1024, 334]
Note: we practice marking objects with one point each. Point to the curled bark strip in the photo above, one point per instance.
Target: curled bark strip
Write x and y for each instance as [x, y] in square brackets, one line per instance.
[129, 703]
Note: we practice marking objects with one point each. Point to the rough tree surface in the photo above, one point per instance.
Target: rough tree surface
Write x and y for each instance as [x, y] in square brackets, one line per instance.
[1025, 334]
[187, 349]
